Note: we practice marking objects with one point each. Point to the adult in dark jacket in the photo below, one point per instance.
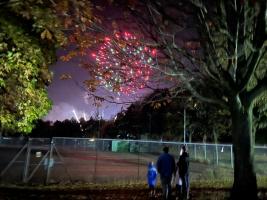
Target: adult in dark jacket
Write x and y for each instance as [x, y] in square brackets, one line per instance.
[183, 168]
[166, 169]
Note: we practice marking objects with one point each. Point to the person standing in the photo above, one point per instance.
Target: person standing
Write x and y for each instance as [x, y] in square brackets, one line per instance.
[178, 182]
[183, 166]
[152, 179]
[166, 169]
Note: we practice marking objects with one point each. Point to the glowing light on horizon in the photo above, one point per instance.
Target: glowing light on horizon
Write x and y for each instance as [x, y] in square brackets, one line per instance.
[84, 116]
[76, 115]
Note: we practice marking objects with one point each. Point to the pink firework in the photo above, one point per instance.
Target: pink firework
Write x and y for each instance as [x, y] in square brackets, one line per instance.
[124, 64]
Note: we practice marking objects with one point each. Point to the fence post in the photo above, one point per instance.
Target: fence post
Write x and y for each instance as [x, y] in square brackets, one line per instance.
[96, 146]
[232, 162]
[195, 151]
[138, 173]
[217, 154]
[75, 143]
[49, 160]
[27, 162]
[205, 151]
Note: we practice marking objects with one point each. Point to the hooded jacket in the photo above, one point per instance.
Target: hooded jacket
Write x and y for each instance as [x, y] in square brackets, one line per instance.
[151, 175]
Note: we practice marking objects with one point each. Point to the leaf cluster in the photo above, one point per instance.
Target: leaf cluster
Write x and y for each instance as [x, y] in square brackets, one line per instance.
[30, 33]
[24, 76]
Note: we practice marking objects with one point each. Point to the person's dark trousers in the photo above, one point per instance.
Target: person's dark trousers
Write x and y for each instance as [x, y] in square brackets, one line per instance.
[178, 190]
[166, 187]
[185, 186]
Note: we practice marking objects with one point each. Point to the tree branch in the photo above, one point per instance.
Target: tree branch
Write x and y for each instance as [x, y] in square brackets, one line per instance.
[252, 64]
[256, 92]
[198, 95]
[225, 75]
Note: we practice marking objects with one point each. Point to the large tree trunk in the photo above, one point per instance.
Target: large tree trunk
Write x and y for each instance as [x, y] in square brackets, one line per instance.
[245, 182]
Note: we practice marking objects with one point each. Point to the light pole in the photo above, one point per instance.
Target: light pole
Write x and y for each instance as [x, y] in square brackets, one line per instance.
[184, 116]
[149, 115]
[184, 125]
[98, 117]
[98, 126]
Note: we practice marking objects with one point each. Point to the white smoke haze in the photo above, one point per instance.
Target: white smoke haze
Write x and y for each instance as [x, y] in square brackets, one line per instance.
[64, 111]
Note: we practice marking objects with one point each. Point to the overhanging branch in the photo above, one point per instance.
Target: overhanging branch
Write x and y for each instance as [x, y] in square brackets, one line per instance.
[252, 64]
[198, 95]
[259, 90]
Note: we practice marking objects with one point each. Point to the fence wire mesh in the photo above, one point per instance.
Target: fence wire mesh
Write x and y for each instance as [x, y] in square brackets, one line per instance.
[63, 160]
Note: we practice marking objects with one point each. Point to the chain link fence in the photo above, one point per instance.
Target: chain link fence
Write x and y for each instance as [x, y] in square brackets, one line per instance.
[69, 160]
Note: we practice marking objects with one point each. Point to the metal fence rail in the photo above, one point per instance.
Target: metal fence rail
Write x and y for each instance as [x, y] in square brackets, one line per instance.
[57, 160]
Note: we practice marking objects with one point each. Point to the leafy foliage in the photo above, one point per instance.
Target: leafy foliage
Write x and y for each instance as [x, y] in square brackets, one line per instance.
[68, 128]
[24, 76]
[30, 32]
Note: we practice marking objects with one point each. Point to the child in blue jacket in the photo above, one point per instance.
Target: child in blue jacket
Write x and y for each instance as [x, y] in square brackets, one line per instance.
[152, 178]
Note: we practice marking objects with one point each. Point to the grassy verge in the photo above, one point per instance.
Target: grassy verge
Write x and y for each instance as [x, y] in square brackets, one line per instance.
[196, 184]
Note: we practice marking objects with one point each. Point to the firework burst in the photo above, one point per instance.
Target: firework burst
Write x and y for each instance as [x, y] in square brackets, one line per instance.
[124, 64]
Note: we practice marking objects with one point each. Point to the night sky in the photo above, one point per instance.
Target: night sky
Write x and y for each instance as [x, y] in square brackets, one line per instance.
[67, 96]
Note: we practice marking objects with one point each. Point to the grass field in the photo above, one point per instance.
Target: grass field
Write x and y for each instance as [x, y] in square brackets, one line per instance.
[200, 190]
